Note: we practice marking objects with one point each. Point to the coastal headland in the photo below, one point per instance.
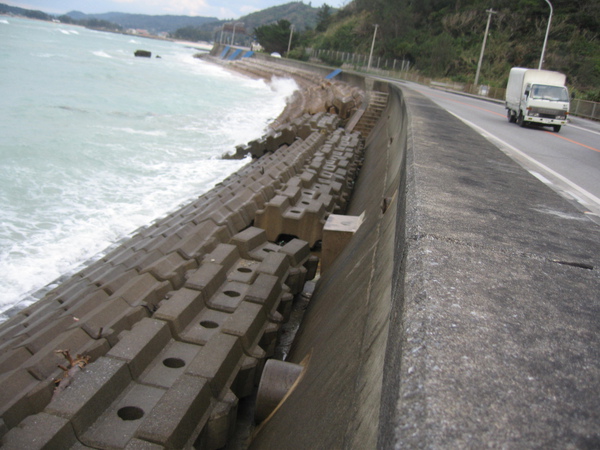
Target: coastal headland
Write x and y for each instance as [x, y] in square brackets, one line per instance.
[449, 298]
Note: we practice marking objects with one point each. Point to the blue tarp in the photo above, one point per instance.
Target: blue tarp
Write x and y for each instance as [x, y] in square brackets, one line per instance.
[248, 54]
[235, 54]
[333, 74]
[224, 52]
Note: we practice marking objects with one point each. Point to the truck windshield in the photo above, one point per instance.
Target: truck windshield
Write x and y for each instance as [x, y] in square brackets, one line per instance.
[554, 93]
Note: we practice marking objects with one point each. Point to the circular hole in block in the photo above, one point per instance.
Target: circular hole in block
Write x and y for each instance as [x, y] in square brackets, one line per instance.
[130, 413]
[174, 363]
[231, 293]
[267, 250]
[209, 324]
[295, 211]
[305, 203]
[244, 270]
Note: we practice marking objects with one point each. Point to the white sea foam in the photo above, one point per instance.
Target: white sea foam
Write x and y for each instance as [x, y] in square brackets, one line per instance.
[4, 21]
[101, 54]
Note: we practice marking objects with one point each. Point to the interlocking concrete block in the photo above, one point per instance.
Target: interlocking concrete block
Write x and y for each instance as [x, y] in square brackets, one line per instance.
[14, 405]
[169, 364]
[110, 318]
[139, 444]
[208, 278]
[204, 326]
[276, 264]
[233, 220]
[91, 392]
[41, 336]
[180, 308]
[224, 254]
[140, 346]
[219, 362]
[113, 278]
[247, 377]
[143, 289]
[182, 412]
[44, 363]
[171, 268]
[80, 307]
[220, 425]
[265, 291]
[247, 240]
[248, 323]
[120, 421]
[228, 298]
[297, 251]
[202, 239]
[13, 358]
[245, 271]
[40, 431]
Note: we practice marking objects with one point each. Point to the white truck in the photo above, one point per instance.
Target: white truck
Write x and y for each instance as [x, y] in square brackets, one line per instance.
[537, 96]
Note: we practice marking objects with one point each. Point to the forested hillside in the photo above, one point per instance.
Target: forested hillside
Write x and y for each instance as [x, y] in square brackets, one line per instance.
[443, 38]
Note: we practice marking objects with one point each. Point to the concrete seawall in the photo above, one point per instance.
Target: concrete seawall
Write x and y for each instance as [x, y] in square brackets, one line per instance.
[463, 312]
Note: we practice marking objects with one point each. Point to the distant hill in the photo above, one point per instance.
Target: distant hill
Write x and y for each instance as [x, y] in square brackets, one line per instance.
[32, 14]
[154, 24]
[300, 15]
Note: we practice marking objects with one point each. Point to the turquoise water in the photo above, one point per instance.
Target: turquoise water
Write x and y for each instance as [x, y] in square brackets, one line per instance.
[95, 143]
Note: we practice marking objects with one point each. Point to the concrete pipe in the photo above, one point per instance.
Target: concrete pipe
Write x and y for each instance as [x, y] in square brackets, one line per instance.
[277, 379]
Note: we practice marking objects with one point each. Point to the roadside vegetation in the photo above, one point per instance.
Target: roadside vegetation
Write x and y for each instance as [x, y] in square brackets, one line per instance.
[442, 38]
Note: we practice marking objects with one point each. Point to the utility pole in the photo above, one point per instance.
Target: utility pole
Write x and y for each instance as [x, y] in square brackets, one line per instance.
[546, 38]
[290, 41]
[372, 46]
[487, 28]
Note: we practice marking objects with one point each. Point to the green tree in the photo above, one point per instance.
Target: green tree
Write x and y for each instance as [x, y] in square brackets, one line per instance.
[323, 18]
[275, 37]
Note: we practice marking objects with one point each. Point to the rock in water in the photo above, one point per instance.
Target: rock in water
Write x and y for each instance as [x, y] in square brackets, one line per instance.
[143, 53]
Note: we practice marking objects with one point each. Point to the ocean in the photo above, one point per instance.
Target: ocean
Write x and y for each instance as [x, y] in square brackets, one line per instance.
[95, 143]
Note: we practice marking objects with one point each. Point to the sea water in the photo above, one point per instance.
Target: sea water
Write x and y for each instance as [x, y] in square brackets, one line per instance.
[95, 143]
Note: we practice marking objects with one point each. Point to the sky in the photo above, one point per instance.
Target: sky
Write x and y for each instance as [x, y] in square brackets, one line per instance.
[222, 9]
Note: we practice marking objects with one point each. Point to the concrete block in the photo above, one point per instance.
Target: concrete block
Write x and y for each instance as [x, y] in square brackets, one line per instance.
[143, 289]
[276, 264]
[248, 240]
[180, 308]
[182, 411]
[204, 326]
[14, 406]
[224, 254]
[265, 291]
[247, 377]
[169, 364]
[297, 251]
[245, 271]
[140, 346]
[91, 393]
[220, 425]
[208, 278]
[219, 362]
[79, 308]
[113, 279]
[229, 296]
[201, 240]
[44, 363]
[139, 444]
[13, 358]
[247, 322]
[40, 431]
[337, 233]
[39, 337]
[171, 268]
[120, 421]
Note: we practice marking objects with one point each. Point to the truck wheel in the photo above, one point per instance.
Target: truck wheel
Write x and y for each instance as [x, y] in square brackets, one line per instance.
[556, 128]
[521, 120]
[510, 116]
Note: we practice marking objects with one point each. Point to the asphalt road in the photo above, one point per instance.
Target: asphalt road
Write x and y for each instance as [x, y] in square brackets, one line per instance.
[568, 161]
